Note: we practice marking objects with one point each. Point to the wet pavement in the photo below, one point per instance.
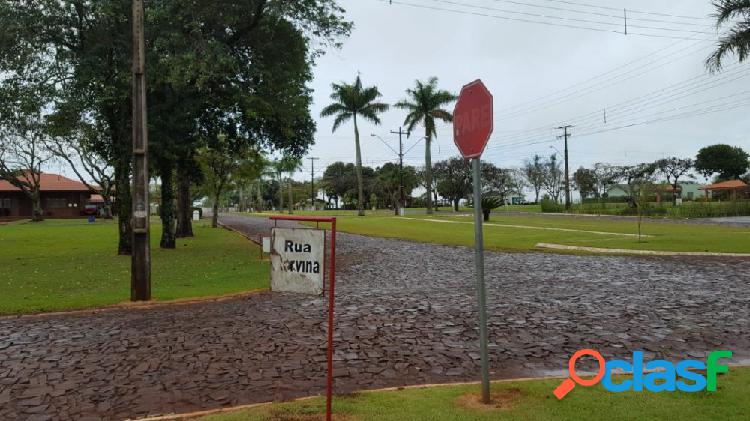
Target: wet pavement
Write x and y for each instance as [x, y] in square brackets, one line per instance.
[405, 315]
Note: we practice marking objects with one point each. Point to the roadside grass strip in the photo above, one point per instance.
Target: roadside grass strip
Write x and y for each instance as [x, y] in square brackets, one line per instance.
[511, 400]
[490, 224]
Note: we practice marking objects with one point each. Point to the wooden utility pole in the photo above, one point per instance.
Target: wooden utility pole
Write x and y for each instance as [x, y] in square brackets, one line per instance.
[140, 281]
[566, 135]
[312, 181]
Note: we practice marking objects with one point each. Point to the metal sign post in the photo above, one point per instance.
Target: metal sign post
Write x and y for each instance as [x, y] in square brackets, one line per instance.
[479, 267]
[472, 127]
[331, 300]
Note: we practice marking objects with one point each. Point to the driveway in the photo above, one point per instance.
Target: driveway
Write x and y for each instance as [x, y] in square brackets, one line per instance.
[405, 315]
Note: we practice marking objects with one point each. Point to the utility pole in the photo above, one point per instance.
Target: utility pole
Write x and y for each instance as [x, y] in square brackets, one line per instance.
[566, 135]
[312, 180]
[400, 133]
[140, 281]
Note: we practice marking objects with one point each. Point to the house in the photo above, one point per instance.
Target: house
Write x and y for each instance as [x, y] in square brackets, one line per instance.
[728, 190]
[61, 197]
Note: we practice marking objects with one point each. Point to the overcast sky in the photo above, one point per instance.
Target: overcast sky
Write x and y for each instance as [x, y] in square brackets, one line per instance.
[579, 74]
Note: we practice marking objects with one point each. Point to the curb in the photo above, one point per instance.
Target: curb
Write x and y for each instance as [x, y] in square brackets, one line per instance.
[138, 306]
[637, 252]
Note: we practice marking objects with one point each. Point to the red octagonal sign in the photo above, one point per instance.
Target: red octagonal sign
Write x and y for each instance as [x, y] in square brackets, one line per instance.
[472, 119]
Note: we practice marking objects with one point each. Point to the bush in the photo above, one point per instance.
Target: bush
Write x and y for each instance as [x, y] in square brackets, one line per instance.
[549, 206]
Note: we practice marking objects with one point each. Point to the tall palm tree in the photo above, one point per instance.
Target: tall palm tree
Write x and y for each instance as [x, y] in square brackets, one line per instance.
[352, 101]
[425, 104]
[737, 40]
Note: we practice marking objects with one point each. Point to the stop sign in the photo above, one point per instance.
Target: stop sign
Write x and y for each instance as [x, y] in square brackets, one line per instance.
[472, 119]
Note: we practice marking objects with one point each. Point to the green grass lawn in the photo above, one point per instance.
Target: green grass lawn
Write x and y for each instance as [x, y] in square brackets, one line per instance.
[458, 230]
[70, 264]
[527, 400]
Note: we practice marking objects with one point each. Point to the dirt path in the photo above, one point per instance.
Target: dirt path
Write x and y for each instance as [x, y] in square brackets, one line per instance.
[405, 315]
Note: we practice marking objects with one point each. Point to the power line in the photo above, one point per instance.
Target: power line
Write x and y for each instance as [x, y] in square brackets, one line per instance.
[647, 101]
[599, 6]
[593, 13]
[508, 18]
[618, 24]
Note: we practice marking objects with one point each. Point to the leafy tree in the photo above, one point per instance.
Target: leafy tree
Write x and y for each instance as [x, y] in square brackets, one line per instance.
[534, 172]
[729, 162]
[220, 163]
[22, 154]
[334, 182]
[87, 165]
[553, 178]
[351, 101]
[388, 182]
[424, 105]
[674, 168]
[586, 182]
[606, 175]
[453, 178]
[637, 178]
[737, 39]
[243, 70]
[499, 182]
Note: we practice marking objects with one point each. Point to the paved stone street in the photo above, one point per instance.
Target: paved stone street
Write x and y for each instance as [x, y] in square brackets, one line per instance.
[405, 315]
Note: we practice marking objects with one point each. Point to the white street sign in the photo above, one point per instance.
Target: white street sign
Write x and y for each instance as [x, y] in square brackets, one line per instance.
[297, 260]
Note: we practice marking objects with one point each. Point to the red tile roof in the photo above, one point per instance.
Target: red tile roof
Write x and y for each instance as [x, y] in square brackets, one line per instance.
[727, 185]
[50, 182]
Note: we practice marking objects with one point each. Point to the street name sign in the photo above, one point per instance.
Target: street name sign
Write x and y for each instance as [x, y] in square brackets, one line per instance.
[297, 260]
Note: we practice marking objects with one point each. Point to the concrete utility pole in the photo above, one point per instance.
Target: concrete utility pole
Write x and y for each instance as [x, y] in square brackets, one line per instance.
[312, 180]
[140, 281]
[566, 135]
[400, 133]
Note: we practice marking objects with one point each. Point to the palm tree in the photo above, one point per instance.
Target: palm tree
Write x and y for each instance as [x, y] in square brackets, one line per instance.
[737, 40]
[351, 101]
[424, 105]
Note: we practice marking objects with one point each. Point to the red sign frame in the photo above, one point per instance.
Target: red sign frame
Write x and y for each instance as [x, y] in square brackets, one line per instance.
[331, 297]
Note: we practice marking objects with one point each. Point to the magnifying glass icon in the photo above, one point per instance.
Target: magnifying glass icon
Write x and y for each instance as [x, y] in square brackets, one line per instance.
[568, 384]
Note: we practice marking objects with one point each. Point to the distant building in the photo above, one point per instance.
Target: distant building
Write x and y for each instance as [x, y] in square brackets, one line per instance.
[687, 191]
[61, 197]
[728, 190]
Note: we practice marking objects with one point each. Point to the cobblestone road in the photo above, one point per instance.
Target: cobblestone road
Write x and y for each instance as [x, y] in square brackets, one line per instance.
[405, 315]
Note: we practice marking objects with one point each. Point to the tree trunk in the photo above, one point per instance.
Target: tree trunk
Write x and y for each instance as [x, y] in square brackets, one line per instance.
[486, 213]
[215, 215]
[428, 169]
[37, 214]
[291, 198]
[108, 209]
[184, 204]
[360, 183]
[166, 210]
[674, 193]
[259, 197]
[281, 193]
[455, 205]
[124, 201]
